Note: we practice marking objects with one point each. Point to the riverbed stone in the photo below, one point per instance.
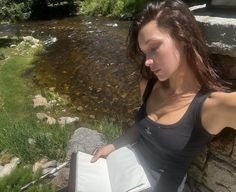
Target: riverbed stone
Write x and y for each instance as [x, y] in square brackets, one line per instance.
[38, 165]
[67, 120]
[43, 116]
[39, 100]
[9, 167]
[85, 140]
[6, 158]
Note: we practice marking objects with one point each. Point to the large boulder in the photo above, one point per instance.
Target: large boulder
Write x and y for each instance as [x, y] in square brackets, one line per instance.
[85, 140]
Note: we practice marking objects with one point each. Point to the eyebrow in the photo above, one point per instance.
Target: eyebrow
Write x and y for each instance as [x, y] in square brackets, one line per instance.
[157, 40]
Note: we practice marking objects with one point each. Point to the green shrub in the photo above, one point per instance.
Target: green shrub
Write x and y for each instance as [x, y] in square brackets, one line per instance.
[110, 127]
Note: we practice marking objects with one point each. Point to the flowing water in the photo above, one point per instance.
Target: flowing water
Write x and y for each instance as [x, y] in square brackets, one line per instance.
[85, 59]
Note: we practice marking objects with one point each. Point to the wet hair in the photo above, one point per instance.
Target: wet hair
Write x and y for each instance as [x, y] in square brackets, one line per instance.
[175, 17]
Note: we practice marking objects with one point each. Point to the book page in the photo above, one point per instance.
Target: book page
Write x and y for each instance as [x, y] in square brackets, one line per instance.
[91, 177]
[125, 172]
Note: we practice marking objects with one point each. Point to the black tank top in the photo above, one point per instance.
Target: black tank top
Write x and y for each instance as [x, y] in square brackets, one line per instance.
[171, 147]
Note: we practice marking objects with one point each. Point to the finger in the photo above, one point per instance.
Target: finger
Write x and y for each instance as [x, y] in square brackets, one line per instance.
[94, 158]
[95, 151]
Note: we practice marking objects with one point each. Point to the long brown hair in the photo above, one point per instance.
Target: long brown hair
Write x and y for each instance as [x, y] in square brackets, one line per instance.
[182, 26]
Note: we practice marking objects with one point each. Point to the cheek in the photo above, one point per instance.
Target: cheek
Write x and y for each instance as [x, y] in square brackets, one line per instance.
[171, 57]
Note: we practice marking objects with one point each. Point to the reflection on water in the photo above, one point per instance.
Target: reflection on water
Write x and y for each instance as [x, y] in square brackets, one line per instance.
[85, 59]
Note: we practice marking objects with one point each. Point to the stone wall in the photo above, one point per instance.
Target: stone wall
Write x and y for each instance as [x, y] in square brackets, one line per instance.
[214, 169]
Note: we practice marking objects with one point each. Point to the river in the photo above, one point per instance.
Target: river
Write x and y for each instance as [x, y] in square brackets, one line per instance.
[85, 59]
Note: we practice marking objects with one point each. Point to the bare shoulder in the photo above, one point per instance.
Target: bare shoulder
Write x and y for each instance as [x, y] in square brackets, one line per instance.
[216, 109]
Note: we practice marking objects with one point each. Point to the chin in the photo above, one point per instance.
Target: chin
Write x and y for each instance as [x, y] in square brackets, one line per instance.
[162, 79]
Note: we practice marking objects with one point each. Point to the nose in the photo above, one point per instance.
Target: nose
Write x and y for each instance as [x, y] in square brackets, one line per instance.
[148, 61]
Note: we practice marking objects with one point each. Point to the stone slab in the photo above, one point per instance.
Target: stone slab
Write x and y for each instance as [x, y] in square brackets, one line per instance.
[219, 29]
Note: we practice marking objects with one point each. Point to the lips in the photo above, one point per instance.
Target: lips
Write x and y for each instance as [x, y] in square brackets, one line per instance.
[155, 70]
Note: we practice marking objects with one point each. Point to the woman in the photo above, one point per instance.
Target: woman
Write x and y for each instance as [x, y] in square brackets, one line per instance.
[185, 103]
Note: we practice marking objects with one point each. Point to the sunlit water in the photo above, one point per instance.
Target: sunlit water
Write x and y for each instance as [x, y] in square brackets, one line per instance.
[85, 59]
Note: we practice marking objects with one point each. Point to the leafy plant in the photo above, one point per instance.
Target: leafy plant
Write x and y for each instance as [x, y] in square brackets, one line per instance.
[109, 127]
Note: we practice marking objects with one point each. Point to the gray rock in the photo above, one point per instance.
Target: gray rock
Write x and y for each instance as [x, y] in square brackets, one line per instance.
[219, 30]
[85, 140]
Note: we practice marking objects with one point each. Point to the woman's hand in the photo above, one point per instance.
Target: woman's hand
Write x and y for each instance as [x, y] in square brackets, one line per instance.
[102, 151]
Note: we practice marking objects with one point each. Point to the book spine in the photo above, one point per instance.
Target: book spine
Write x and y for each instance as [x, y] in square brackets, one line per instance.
[72, 174]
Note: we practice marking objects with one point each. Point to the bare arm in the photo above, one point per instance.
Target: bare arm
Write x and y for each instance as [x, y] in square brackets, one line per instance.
[130, 136]
[220, 112]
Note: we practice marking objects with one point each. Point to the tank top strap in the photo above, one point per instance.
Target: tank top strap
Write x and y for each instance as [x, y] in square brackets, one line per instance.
[148, 89]
[197, 107]
[200, 98]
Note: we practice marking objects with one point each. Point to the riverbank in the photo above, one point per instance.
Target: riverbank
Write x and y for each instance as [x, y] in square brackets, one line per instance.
[22, 135]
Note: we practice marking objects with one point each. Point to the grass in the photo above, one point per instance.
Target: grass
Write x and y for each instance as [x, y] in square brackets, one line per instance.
[20, 177]
[110, 127]
[31, 140]
[21, 134]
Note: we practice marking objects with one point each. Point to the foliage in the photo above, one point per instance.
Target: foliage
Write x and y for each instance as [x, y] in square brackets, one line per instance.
[115, 8]
[109, 127]
[56, 102]
[14, 10]
[119, 8]
[21, 176]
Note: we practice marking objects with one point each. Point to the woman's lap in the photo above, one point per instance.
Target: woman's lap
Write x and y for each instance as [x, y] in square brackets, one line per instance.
[154, 176]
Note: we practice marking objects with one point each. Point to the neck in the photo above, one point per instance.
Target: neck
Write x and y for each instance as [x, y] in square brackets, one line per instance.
[183, 81]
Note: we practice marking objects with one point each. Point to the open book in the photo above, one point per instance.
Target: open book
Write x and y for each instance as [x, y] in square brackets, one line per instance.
[119, 172]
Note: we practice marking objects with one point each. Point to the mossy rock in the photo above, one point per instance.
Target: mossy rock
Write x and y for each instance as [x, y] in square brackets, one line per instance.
[2, 56]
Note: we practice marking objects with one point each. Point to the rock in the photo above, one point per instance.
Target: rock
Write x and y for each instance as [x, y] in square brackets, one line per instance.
[39, 101]
[47, 170]
[219, 177]
[52, 164]
[85, 140]
[2, 56]
[234, 150]
[80, 108]
[49, 120]
[6, 158]
[8, 168]
[218, 29]
[31, 39]
[39, 164]
[61, 179]
[31, 141]
[92, 116]
[67, 120]
[1, 168]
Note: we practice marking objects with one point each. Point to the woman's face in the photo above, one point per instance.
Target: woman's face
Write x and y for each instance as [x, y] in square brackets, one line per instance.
[163, 54]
